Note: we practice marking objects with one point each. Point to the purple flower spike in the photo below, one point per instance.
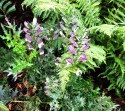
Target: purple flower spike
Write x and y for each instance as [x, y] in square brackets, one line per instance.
[55, 36]
[62, 26]
[57, 31]
[30, 47]
[85, 47]
[41, 51]
[37, 26]
[73, 42]
[86, 39]
[72, 50]
[28, 38]
[72, 34]
[69, 61]
[83, 58]
[40, 42]
[44, 37]
[25, 29]
[75, 26]
[38, 32]
[26, 24]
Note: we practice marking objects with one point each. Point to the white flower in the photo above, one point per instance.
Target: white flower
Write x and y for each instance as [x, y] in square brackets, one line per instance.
[34, 21]
[47, 79]
[78, 72]
[40, 45]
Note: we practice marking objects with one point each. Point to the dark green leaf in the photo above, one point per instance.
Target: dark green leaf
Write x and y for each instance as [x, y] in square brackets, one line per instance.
[11, 9]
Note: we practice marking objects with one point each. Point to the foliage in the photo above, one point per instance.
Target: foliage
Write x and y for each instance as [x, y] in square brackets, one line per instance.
[116, 12]
[54, 58]
[80, 8]
[14, 42]
[6, 8]
[115, 66]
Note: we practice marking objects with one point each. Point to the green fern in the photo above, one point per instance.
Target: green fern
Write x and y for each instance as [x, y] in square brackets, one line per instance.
[121, 82]
[116, 13]
[120, 63]
[6, 7]
[47, 8]
[90, 10]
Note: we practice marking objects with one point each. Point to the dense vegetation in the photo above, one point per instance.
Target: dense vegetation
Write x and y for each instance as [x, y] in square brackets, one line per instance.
[62, 55]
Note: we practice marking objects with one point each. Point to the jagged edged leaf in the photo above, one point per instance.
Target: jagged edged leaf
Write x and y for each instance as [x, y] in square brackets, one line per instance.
[121, 82]
[66, 55]
[106, 29]
[11, 9]
[82, 67]
[120, 62]
[89, 65]
[64, 78]
[96, 52]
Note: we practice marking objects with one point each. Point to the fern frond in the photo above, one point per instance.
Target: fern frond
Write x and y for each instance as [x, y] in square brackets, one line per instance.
[96, 52]
[90, 10]
[6, 7]
[64, 78]
[120, 63]
[65, 74]
[116, 13]
[121, 82]
[47, 8]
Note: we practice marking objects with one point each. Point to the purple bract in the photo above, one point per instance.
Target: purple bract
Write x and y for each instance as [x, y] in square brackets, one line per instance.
[26, 24]
[28, 38]
[86, 39]
[30, 47]
[72, 50]
[75, 26]
[72, 34]
[69, 61]
[25, 29]
[73, 42]
[41, 51]
[83, 58]
[85, 47]
[62, 26]
[38, 32]
[40, 42]
[55, 36]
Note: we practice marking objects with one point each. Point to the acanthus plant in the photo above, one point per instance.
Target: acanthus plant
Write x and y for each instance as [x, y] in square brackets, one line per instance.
[33, 36]
[40, 45]
[73, 45]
